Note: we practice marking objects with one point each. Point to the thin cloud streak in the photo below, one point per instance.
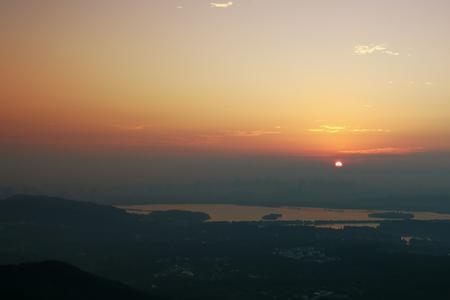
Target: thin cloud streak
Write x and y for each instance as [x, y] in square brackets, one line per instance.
[251, 133]
[372, 49]
[384, 150]
[214, 138]
[328, 129]
[132, 128]
[221, 5]
[345, 129]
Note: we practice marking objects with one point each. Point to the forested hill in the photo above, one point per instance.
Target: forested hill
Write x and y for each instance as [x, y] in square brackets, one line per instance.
[53, 280]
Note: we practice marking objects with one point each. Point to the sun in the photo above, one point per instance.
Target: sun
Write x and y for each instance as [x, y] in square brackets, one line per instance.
[338, 164]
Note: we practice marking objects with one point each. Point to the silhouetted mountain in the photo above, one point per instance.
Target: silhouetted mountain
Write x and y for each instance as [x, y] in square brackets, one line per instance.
[52, 210]
[56, 280]
[45, 210]
[176, 255]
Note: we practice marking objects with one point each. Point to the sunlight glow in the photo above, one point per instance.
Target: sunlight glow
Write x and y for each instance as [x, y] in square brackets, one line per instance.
[338, 164]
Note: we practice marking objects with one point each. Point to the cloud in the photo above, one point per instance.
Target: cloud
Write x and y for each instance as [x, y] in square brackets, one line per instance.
[192, 138]
[204, 139]
[221, 5]
[346, 129]
[391, 53]
[214, 138]
[385, 150]
[250, 133]
[362, 130]
[372, 49]
[132, 127]
[328, 129]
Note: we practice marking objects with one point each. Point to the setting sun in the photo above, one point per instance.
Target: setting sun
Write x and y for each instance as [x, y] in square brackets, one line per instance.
[338, 164]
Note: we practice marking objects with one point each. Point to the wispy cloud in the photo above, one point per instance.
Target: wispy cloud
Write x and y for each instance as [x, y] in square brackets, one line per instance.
[251, 133]
[372, 49]
[132, 127]
[363, 130]
[346, 129]
[221, 5]
[216, 138]
[385, 150]
[327, 129]
[391, 53]
[204, 139]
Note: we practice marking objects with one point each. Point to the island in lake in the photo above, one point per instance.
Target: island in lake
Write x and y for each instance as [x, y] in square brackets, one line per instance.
[392, 215]
[272, 217]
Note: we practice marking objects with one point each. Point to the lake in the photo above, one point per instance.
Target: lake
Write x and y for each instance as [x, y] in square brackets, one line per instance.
[234, 213]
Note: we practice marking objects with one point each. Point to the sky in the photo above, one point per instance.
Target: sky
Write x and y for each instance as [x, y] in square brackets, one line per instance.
[312, 80]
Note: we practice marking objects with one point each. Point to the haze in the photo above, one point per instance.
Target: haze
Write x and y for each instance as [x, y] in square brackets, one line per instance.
[249, 101]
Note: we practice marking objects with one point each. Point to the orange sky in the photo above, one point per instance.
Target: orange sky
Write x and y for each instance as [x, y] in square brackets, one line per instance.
[285, 77]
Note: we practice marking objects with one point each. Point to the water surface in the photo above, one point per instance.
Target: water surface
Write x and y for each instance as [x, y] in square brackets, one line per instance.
[227, 212]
